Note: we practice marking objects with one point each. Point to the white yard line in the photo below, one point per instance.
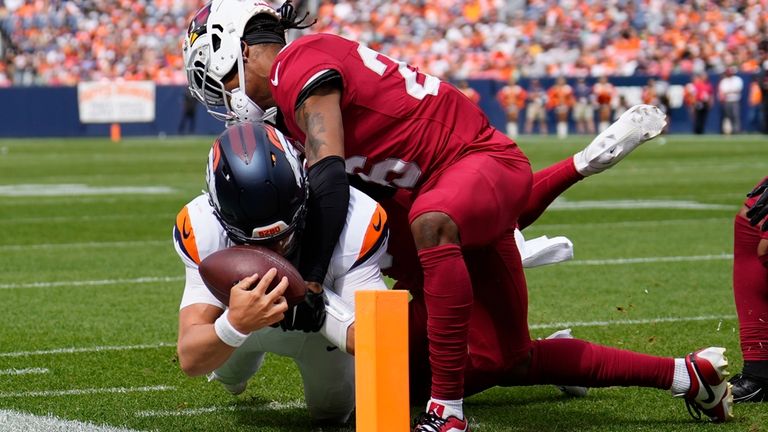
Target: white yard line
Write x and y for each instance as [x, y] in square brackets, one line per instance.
[27, 371]
[18, 421]
[141, 280]
[564, 204]
[78, 189]
[630, 322]
[650, 223]
[270, 406]
[114, 244]
[86, 391]
[73, 350]
[59, 219]
[644, 260]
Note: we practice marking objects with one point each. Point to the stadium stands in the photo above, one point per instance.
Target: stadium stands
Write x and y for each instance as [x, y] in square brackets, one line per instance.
[58, 42]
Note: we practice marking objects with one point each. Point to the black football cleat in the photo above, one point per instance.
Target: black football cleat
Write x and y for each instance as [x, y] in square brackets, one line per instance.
[748, 388]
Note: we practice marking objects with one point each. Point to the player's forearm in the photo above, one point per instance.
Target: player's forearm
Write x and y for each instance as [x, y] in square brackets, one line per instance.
[201, 350]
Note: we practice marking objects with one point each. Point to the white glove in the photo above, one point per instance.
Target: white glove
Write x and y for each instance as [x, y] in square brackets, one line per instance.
[636, 126]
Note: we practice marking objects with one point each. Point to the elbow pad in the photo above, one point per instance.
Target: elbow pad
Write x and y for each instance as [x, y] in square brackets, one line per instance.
[338, 317]
[326, 216]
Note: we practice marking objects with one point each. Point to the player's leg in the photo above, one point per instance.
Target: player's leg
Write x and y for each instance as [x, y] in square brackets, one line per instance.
[512, 113]
[750, 289]
[561, 113]
[244, 362]
[464, 203]
[329, 379]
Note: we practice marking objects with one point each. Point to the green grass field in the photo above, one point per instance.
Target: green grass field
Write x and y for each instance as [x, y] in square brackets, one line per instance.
[90, 286]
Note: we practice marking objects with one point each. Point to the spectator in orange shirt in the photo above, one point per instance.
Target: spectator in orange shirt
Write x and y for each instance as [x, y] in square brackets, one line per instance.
[469, 92]
[512, 98]
[560, 99]
[537, 99]
[604, 93]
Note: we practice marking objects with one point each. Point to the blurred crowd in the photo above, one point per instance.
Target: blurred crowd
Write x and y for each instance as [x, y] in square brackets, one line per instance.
[59, 42]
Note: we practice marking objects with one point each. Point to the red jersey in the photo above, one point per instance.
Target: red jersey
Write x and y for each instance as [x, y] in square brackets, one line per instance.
[400, 126]
[749, 202]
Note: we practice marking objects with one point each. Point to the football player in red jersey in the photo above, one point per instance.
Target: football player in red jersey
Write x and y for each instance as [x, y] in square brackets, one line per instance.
[360, 112]
[750, 289]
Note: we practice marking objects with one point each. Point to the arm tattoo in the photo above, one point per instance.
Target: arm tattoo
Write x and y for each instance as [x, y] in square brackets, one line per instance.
[315, 128]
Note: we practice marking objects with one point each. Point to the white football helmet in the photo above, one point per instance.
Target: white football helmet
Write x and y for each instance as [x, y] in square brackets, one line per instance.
[212, 49]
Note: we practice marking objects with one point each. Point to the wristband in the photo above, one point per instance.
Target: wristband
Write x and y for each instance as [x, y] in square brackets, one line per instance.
[227, 333]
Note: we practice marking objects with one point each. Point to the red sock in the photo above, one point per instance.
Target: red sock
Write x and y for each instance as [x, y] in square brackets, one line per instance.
[548, 184]
[750, 290]
[448, 296]
[578, 362]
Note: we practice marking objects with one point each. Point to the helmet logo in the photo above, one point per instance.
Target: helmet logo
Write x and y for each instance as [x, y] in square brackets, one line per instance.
[268, 231]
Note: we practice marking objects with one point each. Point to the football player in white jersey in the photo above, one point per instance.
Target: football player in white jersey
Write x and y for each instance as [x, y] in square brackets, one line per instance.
[256, 195]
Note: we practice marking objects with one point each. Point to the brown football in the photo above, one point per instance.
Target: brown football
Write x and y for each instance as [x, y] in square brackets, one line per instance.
[223, 269]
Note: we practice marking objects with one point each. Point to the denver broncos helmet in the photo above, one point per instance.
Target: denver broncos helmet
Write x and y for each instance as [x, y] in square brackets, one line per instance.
[257, 185]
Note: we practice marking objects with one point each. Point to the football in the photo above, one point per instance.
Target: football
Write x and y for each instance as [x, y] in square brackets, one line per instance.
[223, 269]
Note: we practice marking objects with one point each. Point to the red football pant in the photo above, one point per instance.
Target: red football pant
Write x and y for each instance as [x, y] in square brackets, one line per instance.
[483, 194]
[750, 290]
[548, 184]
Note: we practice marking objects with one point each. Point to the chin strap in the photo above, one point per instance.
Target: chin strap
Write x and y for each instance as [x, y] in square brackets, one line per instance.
[244, 109]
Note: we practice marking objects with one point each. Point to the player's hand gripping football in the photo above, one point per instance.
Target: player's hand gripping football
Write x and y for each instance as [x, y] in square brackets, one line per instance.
[308, 315]
[759, 211]
[250, 306]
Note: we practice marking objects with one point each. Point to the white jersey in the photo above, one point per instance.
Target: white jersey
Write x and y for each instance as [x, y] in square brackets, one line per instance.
[354, 264]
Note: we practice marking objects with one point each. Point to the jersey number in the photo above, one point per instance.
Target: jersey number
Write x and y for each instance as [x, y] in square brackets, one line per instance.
[372, 60]
[389, 172]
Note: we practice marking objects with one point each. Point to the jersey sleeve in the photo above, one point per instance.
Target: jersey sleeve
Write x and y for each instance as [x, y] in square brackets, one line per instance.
[356, 260]
[196, 235]
[301, 64]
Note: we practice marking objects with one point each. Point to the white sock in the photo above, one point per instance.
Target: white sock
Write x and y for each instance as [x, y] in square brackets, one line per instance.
[449, 408]
[603, 126]
[512, 129]
[562, 129]
[681, 381]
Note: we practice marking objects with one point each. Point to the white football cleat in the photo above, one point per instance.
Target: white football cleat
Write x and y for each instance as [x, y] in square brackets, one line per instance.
[233, 389]
[710, 392]
[575, 391]
[636, 126]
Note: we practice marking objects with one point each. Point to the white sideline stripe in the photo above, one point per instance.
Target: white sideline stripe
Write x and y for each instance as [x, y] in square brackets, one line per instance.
[270, 406]
[73, 350]
[77, 392]
[115, 244]
[563, 204]
[630, 322]
[620, 261]
[28, 371]
[141, 280]
[55, 190]
[18, 421]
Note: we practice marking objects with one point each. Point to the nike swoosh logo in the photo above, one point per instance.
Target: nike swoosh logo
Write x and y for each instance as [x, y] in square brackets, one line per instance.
[275, 79]
[710, 394]
[377, 225]
[184, 231]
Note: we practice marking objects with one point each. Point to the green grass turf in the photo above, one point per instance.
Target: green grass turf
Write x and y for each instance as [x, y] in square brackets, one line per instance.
[121, 238]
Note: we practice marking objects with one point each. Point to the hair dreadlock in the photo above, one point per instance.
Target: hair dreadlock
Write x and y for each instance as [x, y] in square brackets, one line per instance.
[264, 28]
